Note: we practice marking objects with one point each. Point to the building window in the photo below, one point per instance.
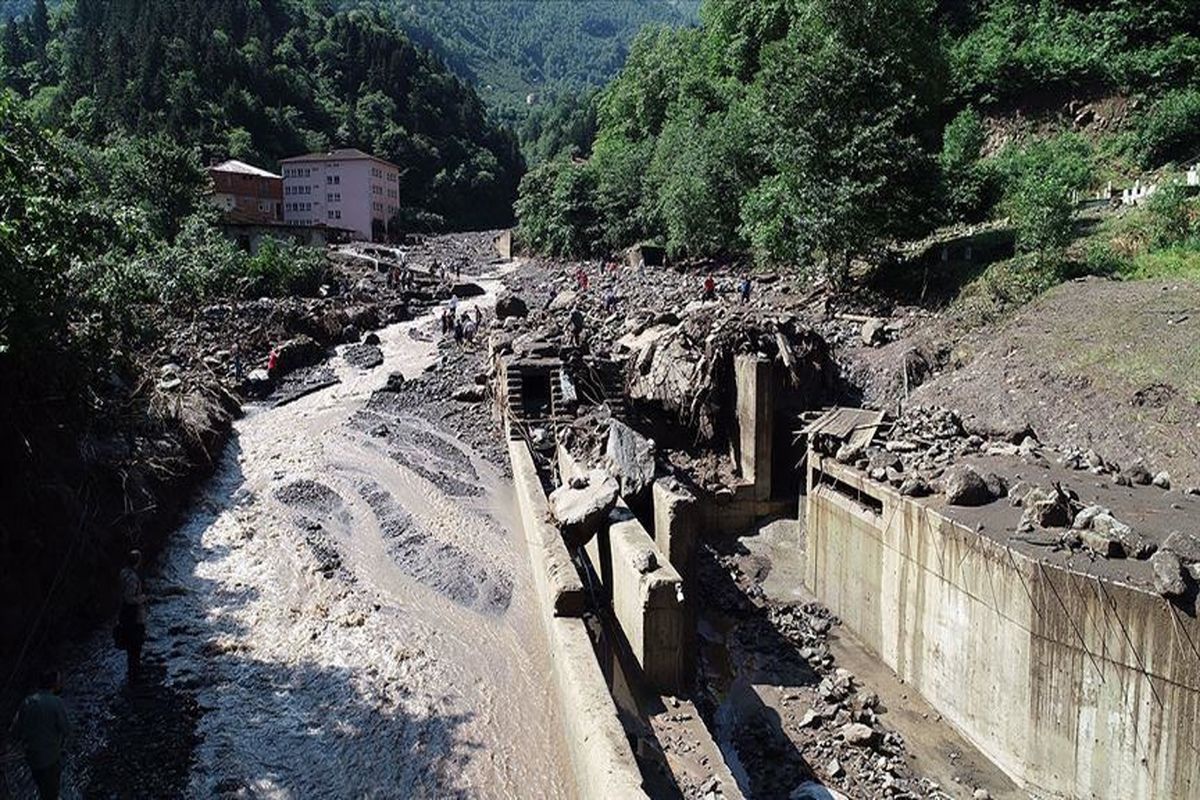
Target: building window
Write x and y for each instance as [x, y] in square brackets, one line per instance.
[339, 214]
[337, 179]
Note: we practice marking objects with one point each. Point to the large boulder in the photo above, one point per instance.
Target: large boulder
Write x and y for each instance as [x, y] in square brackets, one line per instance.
[1134, 544]
[1168, 574]
[630, 459]
[563, 300]
[302, 351]
[464, 290]
[582, 506]
[510, 305]
[1184, 545]
[963, 486]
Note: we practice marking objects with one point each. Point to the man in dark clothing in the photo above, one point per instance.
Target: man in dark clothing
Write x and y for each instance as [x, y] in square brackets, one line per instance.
[42, 728]
[576, 320]
[744, 289]
[131, 620]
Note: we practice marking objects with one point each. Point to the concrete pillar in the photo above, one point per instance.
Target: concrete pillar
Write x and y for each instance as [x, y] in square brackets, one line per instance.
[676, 526]
[755, 421]
[648, 603]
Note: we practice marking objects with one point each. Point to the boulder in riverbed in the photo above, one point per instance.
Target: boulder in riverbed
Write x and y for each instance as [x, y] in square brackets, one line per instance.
[582, 510]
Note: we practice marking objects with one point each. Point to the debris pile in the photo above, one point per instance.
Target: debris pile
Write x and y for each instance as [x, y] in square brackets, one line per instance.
[830, 727]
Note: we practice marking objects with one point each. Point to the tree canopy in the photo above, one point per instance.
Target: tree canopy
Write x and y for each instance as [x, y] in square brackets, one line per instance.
[810, 132]
[261, 80]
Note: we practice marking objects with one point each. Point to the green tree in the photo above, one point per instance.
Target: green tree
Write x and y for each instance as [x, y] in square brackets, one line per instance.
[1042, 215]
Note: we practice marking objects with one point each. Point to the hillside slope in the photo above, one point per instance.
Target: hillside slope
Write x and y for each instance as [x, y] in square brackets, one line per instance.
[268, 79]
[1109, 365]
[512, 48]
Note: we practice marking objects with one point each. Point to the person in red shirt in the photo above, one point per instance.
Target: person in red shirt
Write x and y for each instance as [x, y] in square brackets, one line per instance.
[710, 289]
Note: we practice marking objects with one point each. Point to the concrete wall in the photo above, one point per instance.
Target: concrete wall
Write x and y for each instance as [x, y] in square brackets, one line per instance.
[646, 592]
[601, 758]
[554, 574]
[755, 421]
[676, 524]
[648, 603]
[1073, 687]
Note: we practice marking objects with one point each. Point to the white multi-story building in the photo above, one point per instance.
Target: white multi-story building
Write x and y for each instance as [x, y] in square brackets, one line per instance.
[342, 189]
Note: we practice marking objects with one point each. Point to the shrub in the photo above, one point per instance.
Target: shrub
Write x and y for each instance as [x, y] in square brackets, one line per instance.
[1171, 217]
[282, 268]
[1042, 215]
[1170, 131]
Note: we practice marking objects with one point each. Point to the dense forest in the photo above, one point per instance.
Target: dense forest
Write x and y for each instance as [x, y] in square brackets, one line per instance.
[811, 132]
[510, 49]
[261, 81]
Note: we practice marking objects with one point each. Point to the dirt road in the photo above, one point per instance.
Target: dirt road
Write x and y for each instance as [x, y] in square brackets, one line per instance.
[346, 613]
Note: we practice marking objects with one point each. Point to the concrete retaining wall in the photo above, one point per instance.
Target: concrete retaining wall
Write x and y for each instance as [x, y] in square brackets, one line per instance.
[648, 603]
[556, 578]
[1074, 687]
[603, 763]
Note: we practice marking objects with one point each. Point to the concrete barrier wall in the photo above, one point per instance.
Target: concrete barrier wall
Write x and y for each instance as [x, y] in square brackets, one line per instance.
[601, 758]
[645, 589]
[556, 578]
[648, 603]
[1074, 687]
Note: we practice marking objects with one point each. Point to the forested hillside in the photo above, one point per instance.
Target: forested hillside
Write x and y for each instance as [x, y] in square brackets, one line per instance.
[808, 133]
[264, 80]
[512, 48]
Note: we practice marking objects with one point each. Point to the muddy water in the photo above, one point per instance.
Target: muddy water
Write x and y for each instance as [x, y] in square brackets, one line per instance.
[351, 613]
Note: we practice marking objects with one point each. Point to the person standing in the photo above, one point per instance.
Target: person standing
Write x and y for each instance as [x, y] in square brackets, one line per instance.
[744, 289]
[576, 320]
[43, 728]
[237, 362]
[131, 619]
[710, 289]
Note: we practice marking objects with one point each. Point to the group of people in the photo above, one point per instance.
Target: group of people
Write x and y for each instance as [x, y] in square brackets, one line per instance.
[709, 293]
[42, 727]
[463, 326]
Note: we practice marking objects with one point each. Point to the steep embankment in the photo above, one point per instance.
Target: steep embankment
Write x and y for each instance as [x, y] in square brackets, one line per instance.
[1113, 366]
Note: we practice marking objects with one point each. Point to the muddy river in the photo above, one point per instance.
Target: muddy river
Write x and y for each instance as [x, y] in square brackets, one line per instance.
[351, 612]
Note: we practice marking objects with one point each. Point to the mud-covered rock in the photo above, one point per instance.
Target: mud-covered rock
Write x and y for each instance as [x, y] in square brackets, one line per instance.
[581, 511]
[630, 459]
[963, 486]
[1168, 574]
[511, 305]
[301, 351]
